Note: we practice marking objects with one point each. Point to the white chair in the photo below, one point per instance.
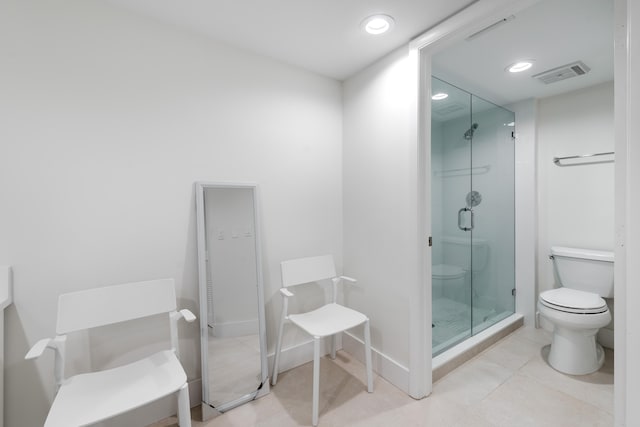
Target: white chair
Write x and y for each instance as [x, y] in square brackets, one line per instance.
[325, 321]
[92, 397]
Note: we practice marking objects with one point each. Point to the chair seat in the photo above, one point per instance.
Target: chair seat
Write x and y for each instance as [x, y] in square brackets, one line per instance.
[328, 320]
[88, 398]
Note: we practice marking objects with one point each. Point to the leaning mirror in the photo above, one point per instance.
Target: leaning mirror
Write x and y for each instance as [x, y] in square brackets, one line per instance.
[232, 329]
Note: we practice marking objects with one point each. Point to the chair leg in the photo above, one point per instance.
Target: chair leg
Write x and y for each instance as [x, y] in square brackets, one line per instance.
[316, 379]
[333, 346]
[184, 412]
[276, 356]
[367, 355]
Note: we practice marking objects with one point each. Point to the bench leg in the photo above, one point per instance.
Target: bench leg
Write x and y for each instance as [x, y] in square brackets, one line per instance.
[184, 412]
[334, 339]
[276, 356]
[316, 379]
[367, 355]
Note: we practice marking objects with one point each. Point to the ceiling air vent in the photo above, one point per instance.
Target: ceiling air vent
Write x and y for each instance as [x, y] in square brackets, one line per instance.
[564, 72]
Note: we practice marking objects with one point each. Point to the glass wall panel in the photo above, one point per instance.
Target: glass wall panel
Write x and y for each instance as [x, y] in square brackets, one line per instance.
[493, 234]
[472, 191]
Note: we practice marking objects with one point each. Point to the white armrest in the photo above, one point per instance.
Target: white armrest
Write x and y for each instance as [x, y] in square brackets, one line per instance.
[58, 345]
[348, 279]
[285, 292]
[6, 291]
[174, 316]
[38, 348]
[187, 315]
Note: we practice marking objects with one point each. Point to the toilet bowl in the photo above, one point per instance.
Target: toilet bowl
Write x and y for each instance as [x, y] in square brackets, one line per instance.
[577, 309]
[577, 316]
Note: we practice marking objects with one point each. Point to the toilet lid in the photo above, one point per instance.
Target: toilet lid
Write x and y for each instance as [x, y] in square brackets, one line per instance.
[573, 301]
[447, 271]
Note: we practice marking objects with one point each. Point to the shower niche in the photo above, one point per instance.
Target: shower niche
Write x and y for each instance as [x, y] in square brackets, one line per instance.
[473, 214]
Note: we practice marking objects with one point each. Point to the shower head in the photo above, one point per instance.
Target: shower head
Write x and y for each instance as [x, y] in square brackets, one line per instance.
[469, 133]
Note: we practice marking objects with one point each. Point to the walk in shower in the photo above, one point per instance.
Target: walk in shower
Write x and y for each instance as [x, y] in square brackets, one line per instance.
[473, 214]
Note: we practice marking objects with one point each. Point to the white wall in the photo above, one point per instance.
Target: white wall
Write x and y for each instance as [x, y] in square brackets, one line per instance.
[526, 208]
[106, 121]
[6, 299]
[576, 203]
[627, 271]
[380, 211]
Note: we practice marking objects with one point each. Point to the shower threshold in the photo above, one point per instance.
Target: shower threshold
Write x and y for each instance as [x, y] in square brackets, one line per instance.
[450, 359]
[441, 345]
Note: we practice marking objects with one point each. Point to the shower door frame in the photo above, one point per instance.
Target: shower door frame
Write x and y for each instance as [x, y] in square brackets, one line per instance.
[471, 19]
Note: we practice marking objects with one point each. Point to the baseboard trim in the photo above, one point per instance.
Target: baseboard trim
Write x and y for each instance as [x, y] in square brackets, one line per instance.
[300, 353]
[195, 392]
[383, 365]
[389, 369]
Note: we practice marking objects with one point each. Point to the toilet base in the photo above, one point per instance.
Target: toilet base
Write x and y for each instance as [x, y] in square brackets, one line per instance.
[575, 352]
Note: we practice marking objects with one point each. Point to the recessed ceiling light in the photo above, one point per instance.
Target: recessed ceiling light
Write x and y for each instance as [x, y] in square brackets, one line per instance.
[377, 24]
[439, 96]
[520, 66]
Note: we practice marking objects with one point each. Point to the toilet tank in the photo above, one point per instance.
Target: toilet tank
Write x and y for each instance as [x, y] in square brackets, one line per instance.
[584, 269]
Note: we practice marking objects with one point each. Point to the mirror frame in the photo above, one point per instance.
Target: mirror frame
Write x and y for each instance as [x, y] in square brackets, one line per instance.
[208, 411]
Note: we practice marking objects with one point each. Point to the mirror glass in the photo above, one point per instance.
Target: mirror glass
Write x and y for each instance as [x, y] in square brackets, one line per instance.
[232, 327]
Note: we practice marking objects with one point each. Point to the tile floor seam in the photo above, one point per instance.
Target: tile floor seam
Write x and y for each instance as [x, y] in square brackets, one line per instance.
[511, 375]
[480, 407]
[557, 390]
[479, 396]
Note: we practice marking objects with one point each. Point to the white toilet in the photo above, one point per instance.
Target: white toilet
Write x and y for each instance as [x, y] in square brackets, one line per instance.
[577, 309]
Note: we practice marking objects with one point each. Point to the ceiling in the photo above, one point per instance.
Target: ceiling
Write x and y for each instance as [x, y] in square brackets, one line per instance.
[324, 36]
[552, 32]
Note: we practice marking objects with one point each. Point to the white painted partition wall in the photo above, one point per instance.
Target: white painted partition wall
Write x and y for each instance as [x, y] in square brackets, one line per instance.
[6, 297]
[107, 131]
[379, 209]
[627, 205]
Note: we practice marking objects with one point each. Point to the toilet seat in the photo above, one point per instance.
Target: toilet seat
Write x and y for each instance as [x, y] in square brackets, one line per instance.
[573, 301]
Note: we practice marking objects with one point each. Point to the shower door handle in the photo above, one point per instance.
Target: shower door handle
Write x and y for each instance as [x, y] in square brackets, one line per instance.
[461, 219]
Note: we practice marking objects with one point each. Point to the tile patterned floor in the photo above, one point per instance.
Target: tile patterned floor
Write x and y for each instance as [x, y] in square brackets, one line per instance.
[509, 384]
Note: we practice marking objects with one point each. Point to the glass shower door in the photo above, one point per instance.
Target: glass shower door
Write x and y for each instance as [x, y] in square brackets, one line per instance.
[472, 191]
[451, 133]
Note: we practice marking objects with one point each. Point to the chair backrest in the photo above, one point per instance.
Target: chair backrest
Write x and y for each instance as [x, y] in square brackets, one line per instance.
[306, 270]
[113, 304]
